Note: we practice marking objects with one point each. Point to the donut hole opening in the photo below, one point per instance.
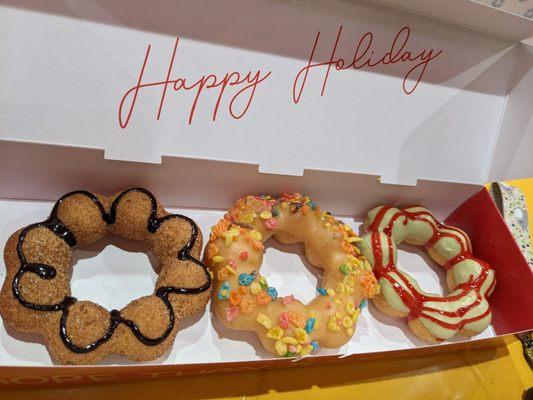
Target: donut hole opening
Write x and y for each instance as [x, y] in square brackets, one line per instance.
[415, 261]
[286, 268]
[113, 271]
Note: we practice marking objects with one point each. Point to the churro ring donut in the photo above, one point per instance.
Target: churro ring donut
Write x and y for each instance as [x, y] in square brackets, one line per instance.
[36, 295]
[433, 318]
[242, 298]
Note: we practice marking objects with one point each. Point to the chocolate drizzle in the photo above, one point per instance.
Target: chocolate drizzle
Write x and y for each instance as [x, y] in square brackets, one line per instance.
[48, 272]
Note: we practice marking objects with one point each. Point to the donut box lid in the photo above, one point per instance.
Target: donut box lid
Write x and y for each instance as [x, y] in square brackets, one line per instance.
[287, 86]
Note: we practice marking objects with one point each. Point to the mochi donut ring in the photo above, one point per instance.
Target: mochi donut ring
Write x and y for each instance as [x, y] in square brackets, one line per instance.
[36, 296]
[470, 280]
[242, 298]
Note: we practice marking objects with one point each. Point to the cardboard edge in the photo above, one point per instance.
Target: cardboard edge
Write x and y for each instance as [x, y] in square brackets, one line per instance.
[469, 14]
[36, 377]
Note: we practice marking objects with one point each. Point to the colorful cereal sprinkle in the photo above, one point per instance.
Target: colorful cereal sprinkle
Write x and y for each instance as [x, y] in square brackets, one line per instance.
[224, 291]
[246, 279]
[310, 324]
[272, 292]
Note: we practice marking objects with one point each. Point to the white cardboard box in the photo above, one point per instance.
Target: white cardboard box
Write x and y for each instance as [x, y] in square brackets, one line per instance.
[375, 136]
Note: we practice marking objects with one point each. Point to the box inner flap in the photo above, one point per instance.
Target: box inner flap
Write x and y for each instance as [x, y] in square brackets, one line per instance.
[30, 171]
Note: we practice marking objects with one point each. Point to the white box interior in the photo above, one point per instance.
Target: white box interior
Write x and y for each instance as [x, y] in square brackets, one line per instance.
[114, 272]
